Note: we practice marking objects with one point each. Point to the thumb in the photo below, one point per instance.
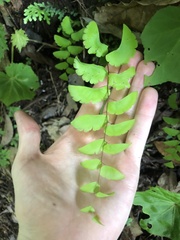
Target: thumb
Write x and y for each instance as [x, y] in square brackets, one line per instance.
[29, 136]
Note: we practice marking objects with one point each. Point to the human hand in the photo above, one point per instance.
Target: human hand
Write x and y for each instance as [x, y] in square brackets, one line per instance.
[47, 195]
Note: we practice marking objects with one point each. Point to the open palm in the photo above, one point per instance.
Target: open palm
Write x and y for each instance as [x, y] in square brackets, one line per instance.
[47, 195]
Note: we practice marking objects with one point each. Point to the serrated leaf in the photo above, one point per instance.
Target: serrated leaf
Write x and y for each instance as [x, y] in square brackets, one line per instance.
[171, 121]
[162, 45]
[94, 147]
[92, 41]
[172, 101]
[3, 44]
[91, 187]
[88, 209]
[163, 208]
[90, 72]
[120, 128]
[104, 195]
[123, 105]
[75, 50]
[115, 148]
[111, 173]
[170, 131]
[125, 51]
[91, 164]
[61, 54]
[19, 39]
[62, 65]
[121, 80]
[77, 36]
[66, 25]
[61, 41]
[89, 122]
[84, 94]
[18, 83]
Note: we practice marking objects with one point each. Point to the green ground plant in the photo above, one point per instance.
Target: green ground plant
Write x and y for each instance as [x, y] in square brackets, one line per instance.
[93, 74]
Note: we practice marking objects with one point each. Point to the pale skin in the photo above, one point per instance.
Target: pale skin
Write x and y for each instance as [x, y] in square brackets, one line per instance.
[47, 195]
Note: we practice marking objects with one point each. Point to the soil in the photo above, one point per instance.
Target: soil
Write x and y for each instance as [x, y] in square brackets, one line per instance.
[51, 104]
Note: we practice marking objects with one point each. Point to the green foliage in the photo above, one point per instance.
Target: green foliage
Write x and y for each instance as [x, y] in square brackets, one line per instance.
[4, 1]
[42, 11]
[3, 44]
[70, 44]
[160, 38]
[172, 129]
[163, 208]
[19, 39]
[18, 82]
[92, 73]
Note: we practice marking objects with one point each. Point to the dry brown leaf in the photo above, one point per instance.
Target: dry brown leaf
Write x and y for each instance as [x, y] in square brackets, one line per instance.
[161, 147]
[8, 131]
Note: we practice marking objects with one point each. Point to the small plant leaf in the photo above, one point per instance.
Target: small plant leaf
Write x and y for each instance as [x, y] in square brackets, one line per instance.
[121, 80]
[163, 208]
[89, 122]
[125, 51]
[91, 187]
[18, 83]
[171, 121]
[172, 143]
[19, 39]
[111, 173]
[61, 41]
[91, 164]
[172, 101]
[75, 50]
[104, 195]
[61, 54]
[170, 131]
[62, 65]
[64, 76]
[96, 219]
[84, 94]
[77, 36]
[92, 41]
[66, 25]
[94, 147]
[120, 128]
[70, 60]
[115, 148]
[3, 44]
[123, 105]
[88, 209]
[90, 72]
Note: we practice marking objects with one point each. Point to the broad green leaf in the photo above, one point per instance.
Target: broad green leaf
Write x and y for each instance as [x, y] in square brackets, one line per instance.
[18, 83]
[91, 187]
[119, 128]
[3, 44]
[163, 208]
[88, 209]
[90, 72]
[126, 49]
[62, 65]
[75, 50]
[171, 121]
[121, 80]
[61, 41]
[161, 41]
[104, 195]
[115, 148]
[89, 122]
[66, 25]
[170, 131]
[172, 101]
[61, 54]
[94, 147]
[91, 164]
[111, 173]
[86, 95]
[123, 105]
[77, 36]
[19, 39]
[92, 40]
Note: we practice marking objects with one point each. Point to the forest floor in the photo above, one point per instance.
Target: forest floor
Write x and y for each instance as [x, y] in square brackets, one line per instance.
[53, 111]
